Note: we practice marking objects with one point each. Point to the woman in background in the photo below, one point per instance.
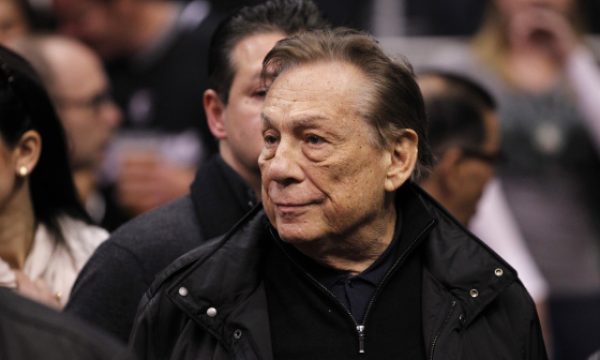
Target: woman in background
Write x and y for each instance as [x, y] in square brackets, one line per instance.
[45, 236]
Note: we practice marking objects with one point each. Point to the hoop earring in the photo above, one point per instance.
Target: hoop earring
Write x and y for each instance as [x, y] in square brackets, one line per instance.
[23, 170]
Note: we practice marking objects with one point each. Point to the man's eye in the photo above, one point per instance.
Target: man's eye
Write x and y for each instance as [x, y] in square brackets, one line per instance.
[314, 139]
[260, 93]
[270, 139]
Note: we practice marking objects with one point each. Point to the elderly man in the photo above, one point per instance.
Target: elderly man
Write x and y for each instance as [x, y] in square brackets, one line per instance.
[348, 259]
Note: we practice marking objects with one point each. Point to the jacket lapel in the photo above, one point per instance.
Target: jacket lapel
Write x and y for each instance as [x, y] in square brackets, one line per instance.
[461, 276]
[220, 197]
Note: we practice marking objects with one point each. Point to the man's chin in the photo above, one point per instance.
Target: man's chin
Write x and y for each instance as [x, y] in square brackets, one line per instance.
[293, 234]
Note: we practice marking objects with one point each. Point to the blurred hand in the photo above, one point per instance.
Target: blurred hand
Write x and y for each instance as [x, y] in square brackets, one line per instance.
[36, 290]
[544, 29]
[147, 180]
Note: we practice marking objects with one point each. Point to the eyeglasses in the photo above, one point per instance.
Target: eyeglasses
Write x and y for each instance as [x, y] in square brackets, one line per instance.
[494, 159]
[94, 103]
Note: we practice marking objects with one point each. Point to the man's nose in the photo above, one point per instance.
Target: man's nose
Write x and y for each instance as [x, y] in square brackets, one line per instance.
[284, 167]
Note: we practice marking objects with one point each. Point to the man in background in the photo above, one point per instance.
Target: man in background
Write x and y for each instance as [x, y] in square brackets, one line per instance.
[155, 55]
[79, 89]
[111, 285]
[465, 140]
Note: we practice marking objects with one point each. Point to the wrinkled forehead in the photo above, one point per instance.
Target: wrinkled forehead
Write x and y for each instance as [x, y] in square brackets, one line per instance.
[322, 78]
[324, 95]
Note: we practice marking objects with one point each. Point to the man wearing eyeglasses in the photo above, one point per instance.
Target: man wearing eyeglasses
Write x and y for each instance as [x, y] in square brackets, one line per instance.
[79, 88]
[464, 138]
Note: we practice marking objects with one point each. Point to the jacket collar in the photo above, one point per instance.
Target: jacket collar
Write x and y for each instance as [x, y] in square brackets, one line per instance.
[220, 197]
[461, 263]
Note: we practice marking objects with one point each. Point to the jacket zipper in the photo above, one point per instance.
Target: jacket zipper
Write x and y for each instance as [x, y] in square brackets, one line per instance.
[361, 338]
[437, 335]
[382, 283]
[360, 328]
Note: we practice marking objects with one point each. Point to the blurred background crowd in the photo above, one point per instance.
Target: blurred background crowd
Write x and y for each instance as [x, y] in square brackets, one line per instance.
[127, 77]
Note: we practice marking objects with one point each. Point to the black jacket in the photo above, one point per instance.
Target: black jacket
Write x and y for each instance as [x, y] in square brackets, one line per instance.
[211, 304]
[110, 286]
[30, 331]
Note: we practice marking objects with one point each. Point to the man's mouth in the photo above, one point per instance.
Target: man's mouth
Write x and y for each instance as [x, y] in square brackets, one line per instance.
[293, 207]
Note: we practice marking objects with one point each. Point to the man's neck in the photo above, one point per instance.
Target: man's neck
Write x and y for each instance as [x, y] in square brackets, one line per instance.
[357, 251]
[252, 178]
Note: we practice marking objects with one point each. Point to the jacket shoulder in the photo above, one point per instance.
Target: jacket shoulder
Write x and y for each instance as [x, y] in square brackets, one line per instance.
[203, 267]
[189, 261]
[111, 284]
[176, 221]
[513, 320]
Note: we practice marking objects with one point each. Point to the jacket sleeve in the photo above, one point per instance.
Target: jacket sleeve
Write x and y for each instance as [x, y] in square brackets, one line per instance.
[108, 290]
[141, 342]
[535, 346]
[526, 323]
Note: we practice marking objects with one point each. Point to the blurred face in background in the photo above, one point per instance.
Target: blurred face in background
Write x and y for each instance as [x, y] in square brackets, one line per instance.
[240, 138]
[102, 24]
[13, 23]
[474, 171]
[87, 111]
[509, 8]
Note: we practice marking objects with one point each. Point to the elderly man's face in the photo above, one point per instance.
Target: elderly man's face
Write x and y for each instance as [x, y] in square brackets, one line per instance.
[323, 176]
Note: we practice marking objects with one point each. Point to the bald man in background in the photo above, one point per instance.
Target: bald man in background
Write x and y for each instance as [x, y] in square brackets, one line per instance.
[79, 89]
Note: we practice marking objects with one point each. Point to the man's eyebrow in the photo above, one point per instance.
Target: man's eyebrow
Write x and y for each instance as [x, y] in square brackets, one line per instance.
[266, 122]
[309, 121]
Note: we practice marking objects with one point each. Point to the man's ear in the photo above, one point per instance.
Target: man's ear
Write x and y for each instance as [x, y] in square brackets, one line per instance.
[403, 159]
[27, 152]
[215, 114]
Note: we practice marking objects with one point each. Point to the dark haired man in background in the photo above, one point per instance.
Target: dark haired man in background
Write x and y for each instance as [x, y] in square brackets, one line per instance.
[465, 140]
[112, 283]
